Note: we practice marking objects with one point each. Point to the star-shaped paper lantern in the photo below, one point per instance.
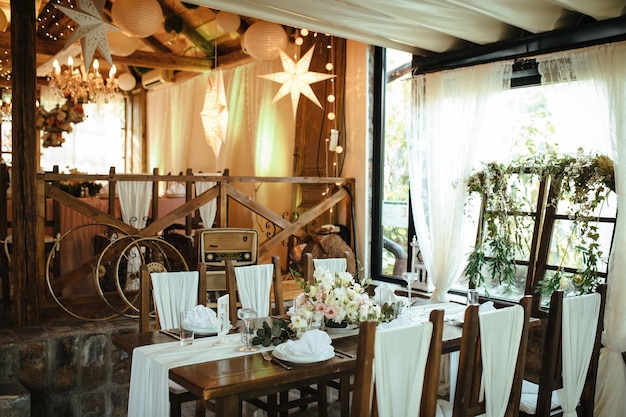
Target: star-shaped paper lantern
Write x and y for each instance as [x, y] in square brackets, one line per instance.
[215, 113]
[91, 29]
[296, 79]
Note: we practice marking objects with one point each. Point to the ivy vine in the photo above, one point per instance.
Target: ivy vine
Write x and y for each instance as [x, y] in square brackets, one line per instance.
[582, 182]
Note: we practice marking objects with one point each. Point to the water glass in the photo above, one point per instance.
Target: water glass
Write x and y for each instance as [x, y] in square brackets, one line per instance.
[247, 315]
[185, 326]
[410, 278]
[316, 321]
[472, 297]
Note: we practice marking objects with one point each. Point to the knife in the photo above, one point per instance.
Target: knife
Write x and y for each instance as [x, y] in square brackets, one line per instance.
[349, 355]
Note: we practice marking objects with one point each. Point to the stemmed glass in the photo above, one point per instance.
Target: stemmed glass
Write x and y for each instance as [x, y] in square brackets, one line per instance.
[409, 277]
[247, 315]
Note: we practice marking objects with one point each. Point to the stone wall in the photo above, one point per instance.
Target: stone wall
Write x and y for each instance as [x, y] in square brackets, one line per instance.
[70, 370]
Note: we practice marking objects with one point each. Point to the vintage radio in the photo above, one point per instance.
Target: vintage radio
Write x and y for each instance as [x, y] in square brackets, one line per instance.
[218, 245]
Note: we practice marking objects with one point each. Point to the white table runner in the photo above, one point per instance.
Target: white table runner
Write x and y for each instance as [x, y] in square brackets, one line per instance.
[149, 392]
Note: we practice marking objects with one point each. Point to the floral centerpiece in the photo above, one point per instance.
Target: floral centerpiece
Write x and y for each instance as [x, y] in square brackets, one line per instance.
[55, 122]
[342, 300]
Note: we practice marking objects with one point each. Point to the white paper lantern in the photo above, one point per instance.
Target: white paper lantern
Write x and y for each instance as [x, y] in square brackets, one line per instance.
[126, 82]
[264, 40]
[227, 22]
[138, 18]
[4, 22]
[121, 44]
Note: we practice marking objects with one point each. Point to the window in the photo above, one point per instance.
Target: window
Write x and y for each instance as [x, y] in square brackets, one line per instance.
[537, 119]
[394, 213]
[95, 144]
[6, 141]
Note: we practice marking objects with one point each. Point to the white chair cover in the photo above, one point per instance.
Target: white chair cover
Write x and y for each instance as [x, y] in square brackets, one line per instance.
[253, 284]
[332, 265]
[208, 210]
[135, 199]
[400, 355]
[134, 204]
[500, 335]
[580, 322]
[174, 292]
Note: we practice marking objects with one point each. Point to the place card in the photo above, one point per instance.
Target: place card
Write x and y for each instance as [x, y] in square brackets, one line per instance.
[223, 322]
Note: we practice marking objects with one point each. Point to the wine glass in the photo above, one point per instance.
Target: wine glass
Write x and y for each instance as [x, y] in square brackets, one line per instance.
[247, 315]
[409, 277]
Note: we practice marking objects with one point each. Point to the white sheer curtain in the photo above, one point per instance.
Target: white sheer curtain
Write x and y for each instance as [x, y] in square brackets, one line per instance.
[448, 124]
[603, 66]
[256, 143]
[208, 210]
[174, 127]
[135, 202]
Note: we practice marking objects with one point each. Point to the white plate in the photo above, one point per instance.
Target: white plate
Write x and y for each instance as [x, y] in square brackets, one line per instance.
[203, 331]
[280, 353]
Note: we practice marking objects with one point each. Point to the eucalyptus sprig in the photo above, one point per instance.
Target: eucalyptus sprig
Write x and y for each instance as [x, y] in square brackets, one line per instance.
[275, 335]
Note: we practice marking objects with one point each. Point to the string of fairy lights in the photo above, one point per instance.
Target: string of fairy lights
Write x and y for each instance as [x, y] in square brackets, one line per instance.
[332, 148]
[53, 24]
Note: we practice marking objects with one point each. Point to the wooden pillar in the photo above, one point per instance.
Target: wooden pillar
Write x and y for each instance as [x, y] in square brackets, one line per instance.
[28, 255]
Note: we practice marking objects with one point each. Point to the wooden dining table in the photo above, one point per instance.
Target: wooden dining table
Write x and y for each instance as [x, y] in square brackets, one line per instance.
[226, 382]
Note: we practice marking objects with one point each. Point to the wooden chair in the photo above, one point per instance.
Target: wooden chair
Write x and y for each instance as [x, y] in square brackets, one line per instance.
[271, 405]
[309, 265]
[148, 308]
[540, 399]
[363, 390]
[235, 298]
[368, 396]
[471, 382]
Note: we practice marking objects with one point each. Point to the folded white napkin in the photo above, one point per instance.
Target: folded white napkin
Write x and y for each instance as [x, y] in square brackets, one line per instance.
[384, 294]
[176, 188]
[312, 342]
[204, 317]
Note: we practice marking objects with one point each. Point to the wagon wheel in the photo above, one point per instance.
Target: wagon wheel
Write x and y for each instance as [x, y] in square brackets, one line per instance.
[126, 256]
[71, 268]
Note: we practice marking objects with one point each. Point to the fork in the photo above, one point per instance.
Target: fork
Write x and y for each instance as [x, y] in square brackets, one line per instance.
[268, 357]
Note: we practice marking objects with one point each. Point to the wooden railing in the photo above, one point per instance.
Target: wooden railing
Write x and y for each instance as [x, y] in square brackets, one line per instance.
[277, 228]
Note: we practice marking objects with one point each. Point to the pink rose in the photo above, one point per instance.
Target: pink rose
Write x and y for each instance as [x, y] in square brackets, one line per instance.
[331, 312]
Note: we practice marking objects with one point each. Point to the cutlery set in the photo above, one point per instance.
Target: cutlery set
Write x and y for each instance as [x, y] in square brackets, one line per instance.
[270, 358]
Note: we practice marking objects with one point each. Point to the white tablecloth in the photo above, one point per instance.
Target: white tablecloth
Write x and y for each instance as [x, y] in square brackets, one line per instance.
[422, 313]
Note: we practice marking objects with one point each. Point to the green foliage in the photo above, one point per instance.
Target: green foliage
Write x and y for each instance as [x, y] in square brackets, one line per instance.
[582, 182]
[275, 335]
[389, 312]
[75, 188]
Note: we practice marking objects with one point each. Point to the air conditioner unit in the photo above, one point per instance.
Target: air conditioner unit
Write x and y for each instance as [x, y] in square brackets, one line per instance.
[157, 77]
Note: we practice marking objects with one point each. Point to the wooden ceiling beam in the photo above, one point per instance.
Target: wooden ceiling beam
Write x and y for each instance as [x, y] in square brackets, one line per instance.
[138, 58]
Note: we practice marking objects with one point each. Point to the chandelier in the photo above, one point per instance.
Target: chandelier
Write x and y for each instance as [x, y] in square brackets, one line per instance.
[80, 85]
